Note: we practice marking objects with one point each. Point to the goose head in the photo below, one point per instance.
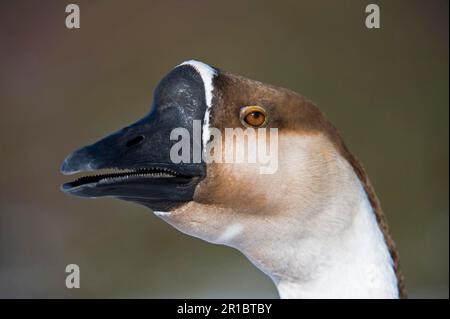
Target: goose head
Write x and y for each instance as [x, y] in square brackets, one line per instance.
[303, 198]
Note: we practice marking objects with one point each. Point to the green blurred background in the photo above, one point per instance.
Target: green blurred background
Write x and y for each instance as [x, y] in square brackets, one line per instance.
[386, 90]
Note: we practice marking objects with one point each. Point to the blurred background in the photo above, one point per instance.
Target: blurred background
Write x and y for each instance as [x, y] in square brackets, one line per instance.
[386, 90]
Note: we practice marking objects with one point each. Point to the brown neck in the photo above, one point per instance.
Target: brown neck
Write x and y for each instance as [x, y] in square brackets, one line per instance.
[301, 115]
[375, 203]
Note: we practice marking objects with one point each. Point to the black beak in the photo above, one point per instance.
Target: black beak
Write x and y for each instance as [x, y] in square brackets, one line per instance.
[137, 157]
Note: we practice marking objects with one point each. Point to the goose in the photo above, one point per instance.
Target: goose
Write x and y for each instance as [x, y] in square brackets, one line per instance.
[314, 226]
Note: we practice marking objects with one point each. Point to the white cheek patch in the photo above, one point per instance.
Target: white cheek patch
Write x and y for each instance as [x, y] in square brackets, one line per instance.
[207, 74]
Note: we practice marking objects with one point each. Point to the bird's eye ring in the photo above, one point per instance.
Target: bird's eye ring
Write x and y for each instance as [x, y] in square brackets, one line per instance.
[253, 116]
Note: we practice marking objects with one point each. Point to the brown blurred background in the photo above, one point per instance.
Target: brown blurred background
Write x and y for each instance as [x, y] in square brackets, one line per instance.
[386, 90]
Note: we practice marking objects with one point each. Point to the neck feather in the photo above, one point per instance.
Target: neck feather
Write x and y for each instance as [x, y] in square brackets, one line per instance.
[354, 264]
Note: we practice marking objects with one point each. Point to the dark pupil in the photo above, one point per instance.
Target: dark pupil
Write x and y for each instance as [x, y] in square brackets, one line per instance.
[256, 115]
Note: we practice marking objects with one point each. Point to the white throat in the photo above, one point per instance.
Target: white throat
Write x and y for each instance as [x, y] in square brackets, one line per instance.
[355, 264]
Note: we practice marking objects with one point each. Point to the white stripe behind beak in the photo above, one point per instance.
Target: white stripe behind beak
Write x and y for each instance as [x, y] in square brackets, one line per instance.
[207, 74]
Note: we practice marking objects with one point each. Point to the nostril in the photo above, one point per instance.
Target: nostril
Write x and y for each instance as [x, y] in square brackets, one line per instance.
[135, 140]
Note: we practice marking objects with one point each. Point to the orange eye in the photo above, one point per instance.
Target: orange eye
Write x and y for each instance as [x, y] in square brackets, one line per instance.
[253, 116]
